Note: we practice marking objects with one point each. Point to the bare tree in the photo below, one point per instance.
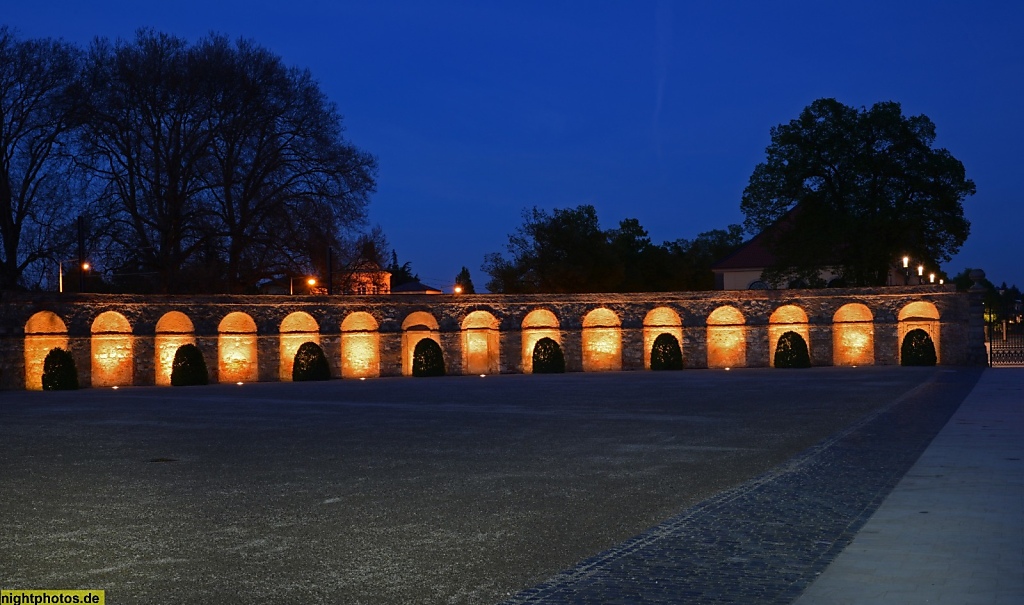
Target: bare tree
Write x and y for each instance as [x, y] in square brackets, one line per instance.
[38, 89]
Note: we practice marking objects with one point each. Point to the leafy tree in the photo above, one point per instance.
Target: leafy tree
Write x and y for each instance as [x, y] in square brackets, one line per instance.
[39, 93]
[854, 190]
[310, 363]
[666, 354]
[464, 281]
[689, 262]
[427, 358]
[59, 372]
[188, 367]
[401, 273]
[917, 349]
[548, 357]
[791, 352]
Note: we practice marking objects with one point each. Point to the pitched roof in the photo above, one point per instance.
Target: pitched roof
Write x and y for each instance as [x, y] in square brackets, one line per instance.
[414, 287]
[754, 254]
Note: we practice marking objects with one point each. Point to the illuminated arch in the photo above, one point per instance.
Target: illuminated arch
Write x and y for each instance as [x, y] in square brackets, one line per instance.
[360, 346]
[296, 329]
[853, 336]
[661, 320]
[480, 343]
[417, 326]
[919, 315]
[727, 338]
[237, 359]
[787, 318]
[43, 331]
[539, 323]
[173, 330]
[111, 341]
[602, 341]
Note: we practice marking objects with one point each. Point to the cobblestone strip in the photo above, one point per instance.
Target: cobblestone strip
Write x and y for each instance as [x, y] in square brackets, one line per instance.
[766, 540]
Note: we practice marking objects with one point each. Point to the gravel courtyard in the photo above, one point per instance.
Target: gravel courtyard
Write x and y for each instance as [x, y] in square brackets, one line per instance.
[442, 490]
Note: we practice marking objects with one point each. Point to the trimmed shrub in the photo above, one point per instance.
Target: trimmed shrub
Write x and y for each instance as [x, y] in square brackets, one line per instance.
[59, 372]
[548, 357]
[918, 349]
[189, 367]
[427, 358]
[666, 354]
[310, 363]
[791, 352]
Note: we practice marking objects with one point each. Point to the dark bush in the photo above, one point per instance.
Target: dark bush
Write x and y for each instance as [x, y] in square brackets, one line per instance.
[310, 363]
[59, 373]
[189, 367]
[427, 358]
[791, 352]
[666, 354]
[918, 349]
[548, 357]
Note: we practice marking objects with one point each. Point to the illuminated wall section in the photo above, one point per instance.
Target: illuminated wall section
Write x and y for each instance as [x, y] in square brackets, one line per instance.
[602, 341]
[360, 346]
[660, 321]
[43, 331]
[921, 315]
[480, 343]
[111, 350]
[296, 329]
[416, 327]
[727, 338]
[539, 323]
[853, 336]
[173, 330]
[788, 318]
[236, 349]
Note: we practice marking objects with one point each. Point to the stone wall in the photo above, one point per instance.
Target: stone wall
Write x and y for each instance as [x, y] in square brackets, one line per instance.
[100, 345]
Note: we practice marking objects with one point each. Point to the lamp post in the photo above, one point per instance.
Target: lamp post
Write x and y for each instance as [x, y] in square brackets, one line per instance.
[84, 266]
[310, 281]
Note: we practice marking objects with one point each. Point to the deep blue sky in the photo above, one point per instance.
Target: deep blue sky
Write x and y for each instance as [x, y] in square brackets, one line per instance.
[653, 110]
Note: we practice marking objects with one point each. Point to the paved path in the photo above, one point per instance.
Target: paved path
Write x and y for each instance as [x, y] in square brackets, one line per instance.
[767, 540]
[953, 529]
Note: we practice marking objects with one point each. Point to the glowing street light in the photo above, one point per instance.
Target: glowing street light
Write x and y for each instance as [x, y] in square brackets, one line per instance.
[458, 289]
[60, 273]
[310, 281]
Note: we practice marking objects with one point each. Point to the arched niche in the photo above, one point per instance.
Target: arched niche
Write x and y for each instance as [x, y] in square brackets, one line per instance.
[787, 318]
[296, 329]
[661, 320]
[237, 358]
[919, 315]
[853, 336]
[360, 346]
[602, 341]
[417, 326]
[173, 330]
[539, 323]
[44, 331]
[111, 344]
[480, 348]
[727, 338]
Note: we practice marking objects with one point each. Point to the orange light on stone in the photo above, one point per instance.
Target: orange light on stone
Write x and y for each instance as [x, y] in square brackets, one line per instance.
[43, 331]
[360, 346]
[853, 334]
[480, 343]
[726, 338]
[602, 341]
[173, 330]
[661, 320]
[237, 359]
[538, 324]
[787, 318]
[296, 329]
[111, 344]
[417, 326]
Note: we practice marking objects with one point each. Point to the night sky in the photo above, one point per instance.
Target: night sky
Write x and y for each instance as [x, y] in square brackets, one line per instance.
[652, 110]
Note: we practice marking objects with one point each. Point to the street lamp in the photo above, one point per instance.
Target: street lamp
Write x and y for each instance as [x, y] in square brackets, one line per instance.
[458, 289]
[60, 273]
[310, 281]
